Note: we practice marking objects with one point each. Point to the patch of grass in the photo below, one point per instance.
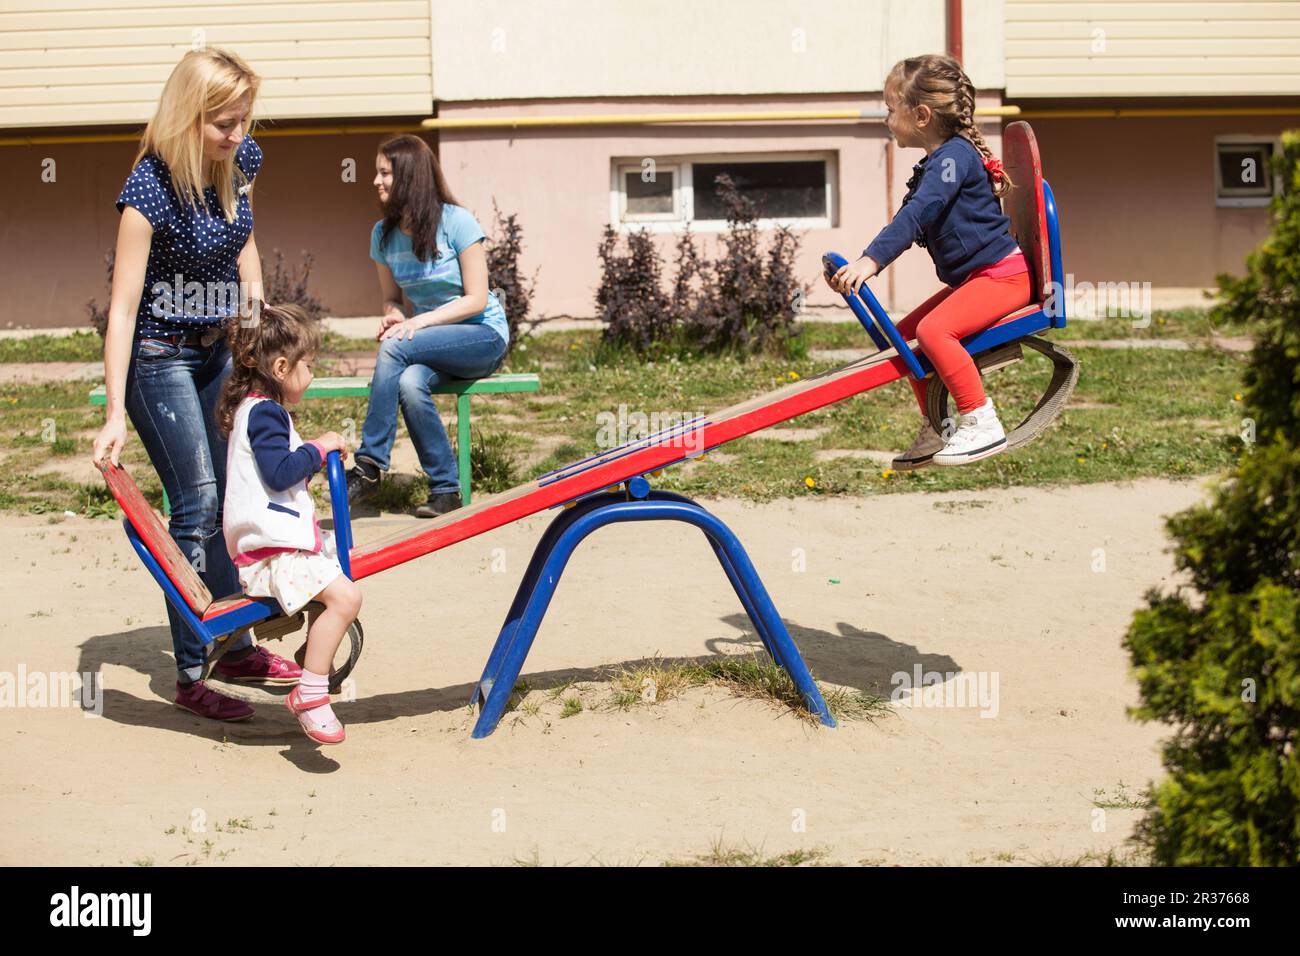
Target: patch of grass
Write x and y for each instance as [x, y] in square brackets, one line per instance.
[752, 676]
[1146, 413]
[78, 347]
[1120, 857]
[748, 855]
[572, 707]
[1121, 799]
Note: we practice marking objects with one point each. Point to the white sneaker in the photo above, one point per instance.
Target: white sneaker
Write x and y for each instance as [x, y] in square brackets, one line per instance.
[978, 435]
[928, 441]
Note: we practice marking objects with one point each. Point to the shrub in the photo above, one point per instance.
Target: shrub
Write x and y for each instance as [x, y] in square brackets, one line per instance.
[98, 316]
[1223, 665]
[751, 295]
[745, 300]
[289, 285]
[504, 276]
[630, 298]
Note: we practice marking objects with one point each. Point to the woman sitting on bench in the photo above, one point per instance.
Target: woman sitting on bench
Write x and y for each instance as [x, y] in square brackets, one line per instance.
[429, 248]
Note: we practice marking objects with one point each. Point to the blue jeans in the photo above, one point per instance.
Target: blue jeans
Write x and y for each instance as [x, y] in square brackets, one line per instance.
[171, 394]
[405, 373]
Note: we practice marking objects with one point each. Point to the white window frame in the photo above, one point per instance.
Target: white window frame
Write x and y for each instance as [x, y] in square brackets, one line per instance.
[622, 169]
[684, 192]
[1230, 201]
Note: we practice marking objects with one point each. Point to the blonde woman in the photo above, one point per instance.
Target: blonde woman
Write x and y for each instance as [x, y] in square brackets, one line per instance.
[186, 263]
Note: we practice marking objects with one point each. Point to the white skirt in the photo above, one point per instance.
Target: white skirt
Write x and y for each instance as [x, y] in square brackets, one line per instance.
[293, 577]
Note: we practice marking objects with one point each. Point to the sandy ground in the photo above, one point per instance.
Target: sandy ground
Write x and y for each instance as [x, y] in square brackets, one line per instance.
[1003, 586]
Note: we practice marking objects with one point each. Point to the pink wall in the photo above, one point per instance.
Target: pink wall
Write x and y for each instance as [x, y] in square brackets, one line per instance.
[53, 235]
[1136, 198]
[557, 180]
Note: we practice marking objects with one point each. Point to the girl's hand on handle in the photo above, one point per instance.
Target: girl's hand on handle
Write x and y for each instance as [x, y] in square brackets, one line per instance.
[851, 276]
[109, 441]
[333, 441]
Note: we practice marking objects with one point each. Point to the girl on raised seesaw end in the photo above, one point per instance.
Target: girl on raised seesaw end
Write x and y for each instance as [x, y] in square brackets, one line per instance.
[269, 518]
[951, 209]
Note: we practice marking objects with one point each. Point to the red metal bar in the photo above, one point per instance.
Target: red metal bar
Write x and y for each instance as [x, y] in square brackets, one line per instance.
[954, 30]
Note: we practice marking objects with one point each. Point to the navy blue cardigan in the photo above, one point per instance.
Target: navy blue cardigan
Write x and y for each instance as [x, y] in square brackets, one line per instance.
[949, 210]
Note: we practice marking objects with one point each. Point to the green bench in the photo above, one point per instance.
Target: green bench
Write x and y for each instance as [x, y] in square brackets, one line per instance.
[358, 387]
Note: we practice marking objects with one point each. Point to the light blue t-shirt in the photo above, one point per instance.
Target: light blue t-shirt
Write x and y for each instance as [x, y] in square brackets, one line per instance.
[431, 284]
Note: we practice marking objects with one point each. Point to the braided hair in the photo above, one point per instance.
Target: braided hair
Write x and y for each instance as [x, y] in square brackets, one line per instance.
[940, 83]
[255, 344]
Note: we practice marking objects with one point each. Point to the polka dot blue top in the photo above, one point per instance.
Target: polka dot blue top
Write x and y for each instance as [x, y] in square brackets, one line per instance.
[192, 279]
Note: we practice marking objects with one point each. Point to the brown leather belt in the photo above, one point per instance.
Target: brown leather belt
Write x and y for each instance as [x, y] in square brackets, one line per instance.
[202, 337]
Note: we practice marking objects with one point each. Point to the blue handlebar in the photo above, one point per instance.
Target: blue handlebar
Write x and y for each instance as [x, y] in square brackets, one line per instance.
[873, 317]
[339, 506]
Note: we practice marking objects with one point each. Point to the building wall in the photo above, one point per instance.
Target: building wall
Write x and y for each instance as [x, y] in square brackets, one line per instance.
[88, 62]
[1136, 198]
[53, 236]
[557, 180]
[566, 49]
[1152, 48]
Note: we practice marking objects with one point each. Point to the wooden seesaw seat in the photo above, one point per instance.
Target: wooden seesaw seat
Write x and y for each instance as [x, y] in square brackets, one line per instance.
[213, 619]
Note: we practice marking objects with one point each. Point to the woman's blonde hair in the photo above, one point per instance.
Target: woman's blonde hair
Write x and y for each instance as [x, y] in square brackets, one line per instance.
[940, 83]
[202, 84]
[275, 330]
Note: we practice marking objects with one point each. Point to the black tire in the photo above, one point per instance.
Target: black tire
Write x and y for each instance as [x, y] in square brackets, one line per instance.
[355, 638]
[1065, 373]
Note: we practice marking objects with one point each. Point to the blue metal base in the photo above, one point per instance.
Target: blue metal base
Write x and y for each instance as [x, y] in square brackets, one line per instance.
[552, 554]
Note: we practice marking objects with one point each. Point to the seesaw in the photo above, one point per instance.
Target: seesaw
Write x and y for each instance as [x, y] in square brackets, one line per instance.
[614, 486]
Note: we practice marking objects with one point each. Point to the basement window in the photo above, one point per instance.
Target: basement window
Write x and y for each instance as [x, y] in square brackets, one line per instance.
[1243, 171]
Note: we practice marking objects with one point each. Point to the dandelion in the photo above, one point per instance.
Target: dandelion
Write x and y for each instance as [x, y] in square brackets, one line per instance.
[887, 473]
[794, 376]
[1080, 459]
[810, 481]
[1237, 397]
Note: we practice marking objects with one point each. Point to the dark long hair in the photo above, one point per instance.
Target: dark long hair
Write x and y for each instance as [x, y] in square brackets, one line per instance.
[254, 346]
[418, 192]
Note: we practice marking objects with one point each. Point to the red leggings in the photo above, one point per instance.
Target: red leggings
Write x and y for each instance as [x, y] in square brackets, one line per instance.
[943, 320]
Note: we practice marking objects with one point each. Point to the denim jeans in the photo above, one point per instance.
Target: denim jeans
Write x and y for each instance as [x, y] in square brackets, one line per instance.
[405, 373]
[171, 395]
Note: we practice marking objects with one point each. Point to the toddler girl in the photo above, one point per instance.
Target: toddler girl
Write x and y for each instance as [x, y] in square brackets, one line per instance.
[951, 209]
[269, 518]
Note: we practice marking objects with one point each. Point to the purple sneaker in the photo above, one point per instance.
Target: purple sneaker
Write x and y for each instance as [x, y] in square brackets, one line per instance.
[200, 699]
[259, 667]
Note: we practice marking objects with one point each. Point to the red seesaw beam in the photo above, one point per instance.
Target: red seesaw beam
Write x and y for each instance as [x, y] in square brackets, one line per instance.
[636, 458]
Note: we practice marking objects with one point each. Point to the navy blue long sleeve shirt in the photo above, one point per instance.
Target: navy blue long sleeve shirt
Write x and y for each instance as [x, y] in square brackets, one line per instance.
[268, 434]
[950, 210]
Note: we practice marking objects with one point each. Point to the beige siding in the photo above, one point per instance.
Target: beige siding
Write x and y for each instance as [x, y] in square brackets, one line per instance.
[1162, 48]
[85, 62]
[570, 49]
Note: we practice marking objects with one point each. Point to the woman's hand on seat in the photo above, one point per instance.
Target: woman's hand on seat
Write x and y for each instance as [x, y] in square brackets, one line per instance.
[110, 440]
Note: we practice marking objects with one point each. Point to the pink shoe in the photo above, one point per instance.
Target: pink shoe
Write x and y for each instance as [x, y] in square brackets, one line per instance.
[259, 667]
[200, 699]
[332, 734]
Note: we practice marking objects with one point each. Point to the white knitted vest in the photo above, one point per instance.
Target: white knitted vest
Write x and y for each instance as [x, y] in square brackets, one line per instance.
[256, 516]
